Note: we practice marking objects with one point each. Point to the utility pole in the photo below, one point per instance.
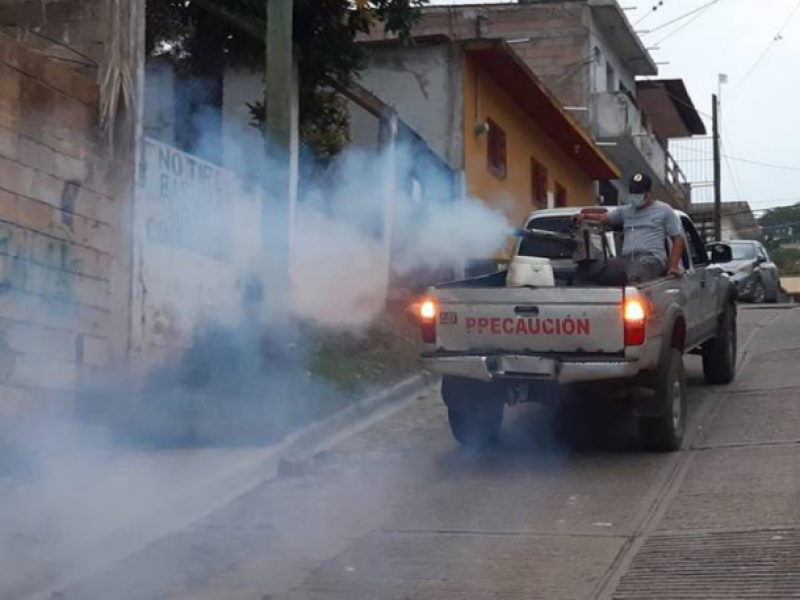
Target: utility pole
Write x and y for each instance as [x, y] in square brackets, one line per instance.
[280, 78]
[717, 173]
[387, 141]
[282, 148]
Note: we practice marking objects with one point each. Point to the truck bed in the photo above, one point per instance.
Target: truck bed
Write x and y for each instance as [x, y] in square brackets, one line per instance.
[482, 314]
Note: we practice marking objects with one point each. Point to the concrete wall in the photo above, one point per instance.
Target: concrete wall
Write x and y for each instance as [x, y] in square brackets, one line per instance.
[525, 140]
[551, 38]
[603, 57]
[238, 137]
[424, 85]
[81, 27]
[58, 232]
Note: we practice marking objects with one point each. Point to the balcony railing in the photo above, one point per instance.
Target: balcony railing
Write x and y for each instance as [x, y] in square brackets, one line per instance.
[617, 118]
[677, 183]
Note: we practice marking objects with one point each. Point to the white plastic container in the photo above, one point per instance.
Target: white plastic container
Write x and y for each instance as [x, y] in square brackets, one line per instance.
[530, 271]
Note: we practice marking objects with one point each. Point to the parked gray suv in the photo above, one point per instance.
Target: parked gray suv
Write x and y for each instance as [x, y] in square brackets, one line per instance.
[752, 270]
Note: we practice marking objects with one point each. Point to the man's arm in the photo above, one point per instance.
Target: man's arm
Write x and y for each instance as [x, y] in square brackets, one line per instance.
[675, 257]
[600, 217]
[610, 218]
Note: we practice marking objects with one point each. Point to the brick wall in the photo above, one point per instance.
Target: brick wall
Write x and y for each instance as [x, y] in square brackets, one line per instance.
[57, 231]
[556, 46]
[71, 32]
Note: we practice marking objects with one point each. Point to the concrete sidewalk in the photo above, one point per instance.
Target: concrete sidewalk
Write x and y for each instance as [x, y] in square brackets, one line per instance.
[87, 503]
[730, 527]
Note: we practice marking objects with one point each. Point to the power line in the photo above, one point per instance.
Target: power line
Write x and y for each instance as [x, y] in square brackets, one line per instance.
[733, 176]
[723, 149]
[685, 25]
[692, 12]
[748, 161]
[650, 12]
[778, 37]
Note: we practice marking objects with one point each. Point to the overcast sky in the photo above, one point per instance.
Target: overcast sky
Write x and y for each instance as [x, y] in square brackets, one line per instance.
[761, 113]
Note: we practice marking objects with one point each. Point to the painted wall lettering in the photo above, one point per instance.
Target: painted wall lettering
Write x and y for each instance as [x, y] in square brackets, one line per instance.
[546, 327]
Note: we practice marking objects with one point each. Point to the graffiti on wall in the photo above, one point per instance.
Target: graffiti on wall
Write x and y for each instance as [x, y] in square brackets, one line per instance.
[36, 263]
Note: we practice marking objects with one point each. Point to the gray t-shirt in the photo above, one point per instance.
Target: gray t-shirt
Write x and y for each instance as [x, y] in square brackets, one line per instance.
[646, 229]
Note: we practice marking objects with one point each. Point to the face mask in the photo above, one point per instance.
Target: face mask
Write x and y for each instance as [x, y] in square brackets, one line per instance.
[636, 200]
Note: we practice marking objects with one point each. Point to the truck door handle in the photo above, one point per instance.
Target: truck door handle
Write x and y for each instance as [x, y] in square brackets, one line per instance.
[527, 310]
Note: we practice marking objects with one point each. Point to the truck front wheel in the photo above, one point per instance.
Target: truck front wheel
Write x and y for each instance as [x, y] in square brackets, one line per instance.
[719, 354]
[664, 433]
[474, 409]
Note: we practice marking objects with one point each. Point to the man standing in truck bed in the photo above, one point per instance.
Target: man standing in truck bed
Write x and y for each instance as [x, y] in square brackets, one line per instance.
[647, 225]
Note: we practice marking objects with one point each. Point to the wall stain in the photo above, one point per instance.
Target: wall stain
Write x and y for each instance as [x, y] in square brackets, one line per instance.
[58, 265]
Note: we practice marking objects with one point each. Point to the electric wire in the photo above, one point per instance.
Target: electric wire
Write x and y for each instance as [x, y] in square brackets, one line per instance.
[778, 37]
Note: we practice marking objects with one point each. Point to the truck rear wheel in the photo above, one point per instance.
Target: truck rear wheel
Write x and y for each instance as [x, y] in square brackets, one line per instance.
[474, 410]
[719, 354]
[664, 433]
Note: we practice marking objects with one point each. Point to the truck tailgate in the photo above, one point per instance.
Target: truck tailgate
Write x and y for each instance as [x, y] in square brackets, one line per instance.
[543, 320]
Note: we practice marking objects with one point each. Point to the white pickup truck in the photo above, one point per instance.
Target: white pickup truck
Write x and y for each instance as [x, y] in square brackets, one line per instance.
[497, 345]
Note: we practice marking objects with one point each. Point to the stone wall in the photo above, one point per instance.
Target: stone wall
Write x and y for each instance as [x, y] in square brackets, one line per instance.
[58, 231]
[71, 32]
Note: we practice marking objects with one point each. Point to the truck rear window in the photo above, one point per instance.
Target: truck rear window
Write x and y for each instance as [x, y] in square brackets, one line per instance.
[553, 249]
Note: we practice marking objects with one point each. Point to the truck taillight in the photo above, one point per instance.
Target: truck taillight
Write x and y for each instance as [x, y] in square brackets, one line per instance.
[428, 312]
[635, 316]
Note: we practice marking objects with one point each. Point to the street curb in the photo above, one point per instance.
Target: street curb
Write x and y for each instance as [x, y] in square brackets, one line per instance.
[769, 307]
[199, 501]
[308, 442]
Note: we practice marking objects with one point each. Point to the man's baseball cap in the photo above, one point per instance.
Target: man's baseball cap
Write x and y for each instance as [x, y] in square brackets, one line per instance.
[640, 184]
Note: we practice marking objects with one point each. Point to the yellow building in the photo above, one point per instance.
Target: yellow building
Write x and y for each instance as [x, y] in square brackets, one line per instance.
[522, 151]
[480, 107]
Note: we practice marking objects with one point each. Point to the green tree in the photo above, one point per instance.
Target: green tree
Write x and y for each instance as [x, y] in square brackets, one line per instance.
[788, 260]
[325, 36]
[781, 226]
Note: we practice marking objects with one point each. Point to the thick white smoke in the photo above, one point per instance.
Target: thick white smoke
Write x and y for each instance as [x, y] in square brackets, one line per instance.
[369, 220]
[342, 262]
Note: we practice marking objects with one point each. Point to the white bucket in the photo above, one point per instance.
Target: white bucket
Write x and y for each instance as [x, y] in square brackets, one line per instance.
[530, 271]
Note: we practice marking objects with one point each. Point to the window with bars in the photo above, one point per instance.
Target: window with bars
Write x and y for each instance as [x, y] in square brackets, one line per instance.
[497, 150]
[538, 184]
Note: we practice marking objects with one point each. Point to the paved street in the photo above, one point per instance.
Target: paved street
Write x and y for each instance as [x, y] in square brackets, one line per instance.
[397, 511]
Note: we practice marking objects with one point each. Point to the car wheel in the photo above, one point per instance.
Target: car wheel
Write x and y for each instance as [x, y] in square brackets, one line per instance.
[759, 292]
[474, 410]
[664, 433]
[719, 354]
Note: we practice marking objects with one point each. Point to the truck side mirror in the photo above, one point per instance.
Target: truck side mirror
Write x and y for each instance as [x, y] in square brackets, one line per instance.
[720, 253]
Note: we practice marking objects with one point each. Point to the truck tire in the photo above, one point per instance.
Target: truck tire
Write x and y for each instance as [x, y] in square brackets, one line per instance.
[665, 432]
[474, 409]
[719, 354]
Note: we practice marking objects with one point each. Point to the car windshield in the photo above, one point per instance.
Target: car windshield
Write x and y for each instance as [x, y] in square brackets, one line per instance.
[743, 251]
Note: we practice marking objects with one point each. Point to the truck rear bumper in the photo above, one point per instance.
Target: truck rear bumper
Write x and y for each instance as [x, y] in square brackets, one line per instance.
[532, 368]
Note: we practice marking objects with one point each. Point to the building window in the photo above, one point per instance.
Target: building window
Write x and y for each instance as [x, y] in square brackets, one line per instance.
[561, 196]
[538, 184]
[611, 78]
[497, 150]
[598, 70]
